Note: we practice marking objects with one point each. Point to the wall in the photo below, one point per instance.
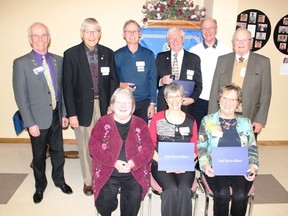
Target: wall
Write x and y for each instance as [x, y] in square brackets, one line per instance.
[64, 18]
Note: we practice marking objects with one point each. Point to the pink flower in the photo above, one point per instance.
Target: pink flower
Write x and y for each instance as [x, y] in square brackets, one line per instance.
[104, 146]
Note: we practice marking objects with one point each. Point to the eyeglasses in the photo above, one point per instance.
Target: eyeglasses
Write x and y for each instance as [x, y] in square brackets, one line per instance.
[126, 103]
[242, 40]
[229, 99]
[37, 37]
[175, 97]
[132, 31]
[88, 32]
[208, 28]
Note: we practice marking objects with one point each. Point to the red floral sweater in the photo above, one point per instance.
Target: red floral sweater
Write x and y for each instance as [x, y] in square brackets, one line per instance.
[105, 144]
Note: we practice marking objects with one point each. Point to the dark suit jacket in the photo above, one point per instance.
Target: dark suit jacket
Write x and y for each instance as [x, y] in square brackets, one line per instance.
[256, 88]
[191, 61]
[32, 93]
[78, 84]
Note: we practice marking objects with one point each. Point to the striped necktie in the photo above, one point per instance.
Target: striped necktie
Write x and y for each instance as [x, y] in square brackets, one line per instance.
[175, 67]
[49, 81]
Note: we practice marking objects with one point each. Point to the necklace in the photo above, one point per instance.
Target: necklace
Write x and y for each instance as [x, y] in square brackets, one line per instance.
[227, 124]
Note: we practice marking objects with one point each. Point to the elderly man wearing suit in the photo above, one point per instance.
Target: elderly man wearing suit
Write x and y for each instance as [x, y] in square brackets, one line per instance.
[89, 80]
[188, 69]
[248, 70]
[37, 84]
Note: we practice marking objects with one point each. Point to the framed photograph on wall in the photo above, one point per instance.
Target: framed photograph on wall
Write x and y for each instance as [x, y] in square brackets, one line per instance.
[258, 24]
[281, 35]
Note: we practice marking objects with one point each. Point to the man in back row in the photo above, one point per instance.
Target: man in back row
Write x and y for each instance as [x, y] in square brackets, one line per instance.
[250, 71]
[37, 85]
[208, 51]
[89, 80]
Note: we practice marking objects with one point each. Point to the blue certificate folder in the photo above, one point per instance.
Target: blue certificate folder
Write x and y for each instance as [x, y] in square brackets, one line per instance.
[175, 156]
[230, 160]
[187, 85]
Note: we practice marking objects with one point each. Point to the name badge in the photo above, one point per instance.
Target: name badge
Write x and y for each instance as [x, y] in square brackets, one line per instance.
[140, 66]
[105, 71]
[218, 134]
[190, 74]
[184, 131]
[242, 72]
[38, 70]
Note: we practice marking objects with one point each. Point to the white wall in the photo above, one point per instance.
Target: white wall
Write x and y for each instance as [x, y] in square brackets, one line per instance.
[64, 18]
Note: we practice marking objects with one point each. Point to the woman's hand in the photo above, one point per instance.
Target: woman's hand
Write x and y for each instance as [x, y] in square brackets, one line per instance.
[122, 166]
[209, 171]
[251, 174]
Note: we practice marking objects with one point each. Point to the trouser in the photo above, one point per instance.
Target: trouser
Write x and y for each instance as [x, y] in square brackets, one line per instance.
[199, 110]
[220, 186]
[53, 137]
[130, 196]
[176, 198]
[141, 109]
[82, 135]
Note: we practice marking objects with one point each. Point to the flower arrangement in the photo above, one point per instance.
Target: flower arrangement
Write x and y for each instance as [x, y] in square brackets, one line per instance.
[172, 9]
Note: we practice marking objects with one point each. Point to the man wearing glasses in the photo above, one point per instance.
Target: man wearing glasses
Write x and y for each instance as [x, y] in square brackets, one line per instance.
[89, 80]
[136, 70]
[37, 85]
[250, 71]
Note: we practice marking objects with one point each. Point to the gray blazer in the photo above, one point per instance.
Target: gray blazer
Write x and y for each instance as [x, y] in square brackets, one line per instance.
[31, 91]
[256, 88]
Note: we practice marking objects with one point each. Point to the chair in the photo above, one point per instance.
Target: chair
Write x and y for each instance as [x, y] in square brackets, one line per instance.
[208, 193]
[156, 189]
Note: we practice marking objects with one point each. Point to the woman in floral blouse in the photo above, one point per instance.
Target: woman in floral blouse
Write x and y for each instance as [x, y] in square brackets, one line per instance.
[121, 150]
[222, 129]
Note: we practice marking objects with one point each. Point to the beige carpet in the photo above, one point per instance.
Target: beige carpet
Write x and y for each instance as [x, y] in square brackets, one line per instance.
[269, 190]
[9, 183]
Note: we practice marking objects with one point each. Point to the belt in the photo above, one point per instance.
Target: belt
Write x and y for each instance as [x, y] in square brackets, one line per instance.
[96, 97]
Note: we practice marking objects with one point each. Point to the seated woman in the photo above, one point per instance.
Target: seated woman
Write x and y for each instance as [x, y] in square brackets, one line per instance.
[121, 151]
[221, 129]
[173, 125]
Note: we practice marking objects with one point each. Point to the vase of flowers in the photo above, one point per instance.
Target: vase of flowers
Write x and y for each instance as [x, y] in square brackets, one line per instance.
[184, 10]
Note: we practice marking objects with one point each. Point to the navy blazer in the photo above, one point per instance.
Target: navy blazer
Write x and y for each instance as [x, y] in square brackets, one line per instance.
[78, 84]
[191, 61]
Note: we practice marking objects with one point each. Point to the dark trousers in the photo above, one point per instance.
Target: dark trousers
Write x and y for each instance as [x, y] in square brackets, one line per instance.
[199, 110]
[130, 196]
[141, 109]
[220, 186]
[53, 137]
[176, 198]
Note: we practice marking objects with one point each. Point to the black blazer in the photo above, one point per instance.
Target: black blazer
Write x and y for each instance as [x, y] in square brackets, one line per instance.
[191, 61]
[78, 84]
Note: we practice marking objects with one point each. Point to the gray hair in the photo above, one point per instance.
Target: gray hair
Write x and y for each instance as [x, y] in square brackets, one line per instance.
[131, 21]
[173, 29]
[38, 23]
[90, 20]
[173, 88]
[125, 92]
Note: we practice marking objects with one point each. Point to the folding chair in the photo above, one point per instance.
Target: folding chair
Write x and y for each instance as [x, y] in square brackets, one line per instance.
[156, 189]
[208, 193]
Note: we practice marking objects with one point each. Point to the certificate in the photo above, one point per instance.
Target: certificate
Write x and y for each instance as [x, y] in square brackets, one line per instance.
[187, 85]
[230, 160]
[175, 156]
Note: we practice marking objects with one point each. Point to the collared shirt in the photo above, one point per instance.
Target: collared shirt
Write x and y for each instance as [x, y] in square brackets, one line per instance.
[138, 68]
[48, 60]
[180, 56]
[246, 56]
[214, 45]
[92, 57]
